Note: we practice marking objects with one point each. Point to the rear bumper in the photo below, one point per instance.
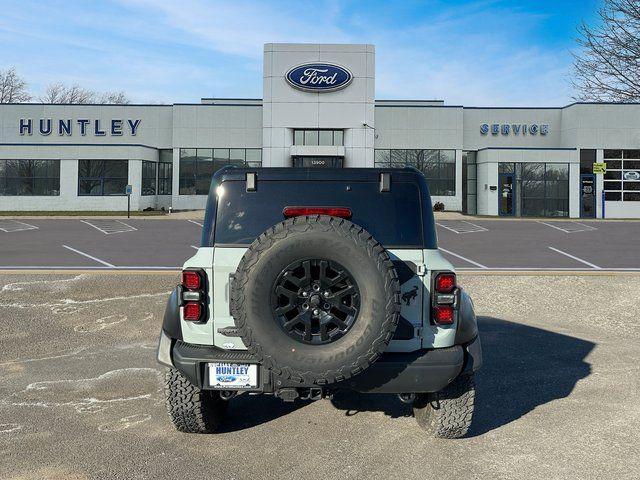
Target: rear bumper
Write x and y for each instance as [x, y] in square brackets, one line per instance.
[428, 370]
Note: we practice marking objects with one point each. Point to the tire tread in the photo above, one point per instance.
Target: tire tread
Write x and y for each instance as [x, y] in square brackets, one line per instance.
[448, 413]
[191, 409]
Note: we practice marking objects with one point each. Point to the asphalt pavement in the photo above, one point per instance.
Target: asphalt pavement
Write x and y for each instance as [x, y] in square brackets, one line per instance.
[164, 244]
[81, 393]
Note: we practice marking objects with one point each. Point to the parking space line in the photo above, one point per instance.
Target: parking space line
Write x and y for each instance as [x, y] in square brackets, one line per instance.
[475, 228]
[9, 226]
[587, 228]
[197, 223]
[463, 258]
[194, 247]
[549, 271]
[89, 256]
[109, 227]
[13, 268]
[577, 259]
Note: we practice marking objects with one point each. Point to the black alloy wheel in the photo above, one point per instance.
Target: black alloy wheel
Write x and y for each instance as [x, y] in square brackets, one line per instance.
[315, 301]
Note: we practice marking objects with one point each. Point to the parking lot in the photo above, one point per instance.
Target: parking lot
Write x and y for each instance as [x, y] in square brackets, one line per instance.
[81, 394]
[476, 244]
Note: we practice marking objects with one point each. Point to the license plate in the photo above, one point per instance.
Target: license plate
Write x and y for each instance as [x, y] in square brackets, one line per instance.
[233, 375]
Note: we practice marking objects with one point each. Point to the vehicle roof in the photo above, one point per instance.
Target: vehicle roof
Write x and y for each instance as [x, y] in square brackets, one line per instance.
[407, 174]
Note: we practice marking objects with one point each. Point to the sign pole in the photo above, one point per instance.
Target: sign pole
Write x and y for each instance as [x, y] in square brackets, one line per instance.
[128, 190]
[602, 204]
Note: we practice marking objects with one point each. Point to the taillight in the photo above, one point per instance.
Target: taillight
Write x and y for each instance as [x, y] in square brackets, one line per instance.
[445, 282]
[444, 298]
[443, 314]
[191, 280]
[341, 212]
[192, 311]
[193, 296]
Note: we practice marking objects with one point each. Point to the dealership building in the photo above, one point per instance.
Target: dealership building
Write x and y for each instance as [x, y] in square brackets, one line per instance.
[319, 110]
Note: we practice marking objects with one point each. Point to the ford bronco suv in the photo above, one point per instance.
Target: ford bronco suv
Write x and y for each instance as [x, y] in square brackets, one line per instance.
[309, 281]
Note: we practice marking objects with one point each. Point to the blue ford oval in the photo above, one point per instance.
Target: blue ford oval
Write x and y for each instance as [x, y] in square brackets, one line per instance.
[319, 77]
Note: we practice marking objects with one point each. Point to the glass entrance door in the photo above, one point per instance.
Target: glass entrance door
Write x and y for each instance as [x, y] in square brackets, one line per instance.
[587, 196]
[506, 194]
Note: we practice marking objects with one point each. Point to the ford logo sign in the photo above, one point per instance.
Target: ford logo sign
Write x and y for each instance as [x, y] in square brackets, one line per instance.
[319, 77]
[631, 175]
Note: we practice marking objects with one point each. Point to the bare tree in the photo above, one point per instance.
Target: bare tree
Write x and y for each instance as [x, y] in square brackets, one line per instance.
[117, 98]
[13, 89]
[75, 94]
[607, 68]
[61, 93]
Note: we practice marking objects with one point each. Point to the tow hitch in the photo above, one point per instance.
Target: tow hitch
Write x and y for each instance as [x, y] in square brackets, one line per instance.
[291, 394]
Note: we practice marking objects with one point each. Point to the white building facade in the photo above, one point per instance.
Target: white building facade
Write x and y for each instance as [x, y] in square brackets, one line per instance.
[319, 110]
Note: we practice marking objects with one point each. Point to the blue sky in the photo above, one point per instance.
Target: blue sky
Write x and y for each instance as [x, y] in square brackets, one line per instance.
[475, 52]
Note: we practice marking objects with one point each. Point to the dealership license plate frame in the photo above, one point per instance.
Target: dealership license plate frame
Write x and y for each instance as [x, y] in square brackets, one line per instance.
[252, 383]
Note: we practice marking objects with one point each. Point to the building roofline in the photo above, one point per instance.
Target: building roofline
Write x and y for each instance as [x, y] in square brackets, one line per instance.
[233, 98]
[553, 108]
[526, 148]
[218, 104]
[91, 104]
[418, 106]
[258, 102]
[433, 100]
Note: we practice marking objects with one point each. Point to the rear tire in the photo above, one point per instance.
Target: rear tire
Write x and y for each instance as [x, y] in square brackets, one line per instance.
[191, 409]
[447, 413]
[307, 241]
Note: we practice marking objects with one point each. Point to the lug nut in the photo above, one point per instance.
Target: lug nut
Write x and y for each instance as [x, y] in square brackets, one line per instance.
[305, 294]
[326, 306]
[316, 312]
[326, 294]
[305, 306]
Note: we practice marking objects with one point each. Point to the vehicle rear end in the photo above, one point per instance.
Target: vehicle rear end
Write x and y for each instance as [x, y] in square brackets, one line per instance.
[308, 281]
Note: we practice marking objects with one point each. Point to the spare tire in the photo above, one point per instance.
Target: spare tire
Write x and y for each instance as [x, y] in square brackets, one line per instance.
[316, 299]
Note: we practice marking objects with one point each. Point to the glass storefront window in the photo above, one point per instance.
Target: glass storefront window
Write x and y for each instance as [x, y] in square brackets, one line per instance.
[311, 137]
[542, 189]
[382, 157]
[325, 137]
[438, 166]
[236, 155]
[204, 169]
[506, 167]
[469, 183]
[102, 177]
[398, 158]
[254, 157]
[197, 166]
[165, 172]
[30, 177]
[165, 178]
[148, 178]
[318, 137]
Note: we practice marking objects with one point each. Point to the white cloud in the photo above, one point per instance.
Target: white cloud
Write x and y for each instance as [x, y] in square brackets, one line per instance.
[241, 27]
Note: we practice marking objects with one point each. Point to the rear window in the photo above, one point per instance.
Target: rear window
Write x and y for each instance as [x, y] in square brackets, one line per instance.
[393, 218]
